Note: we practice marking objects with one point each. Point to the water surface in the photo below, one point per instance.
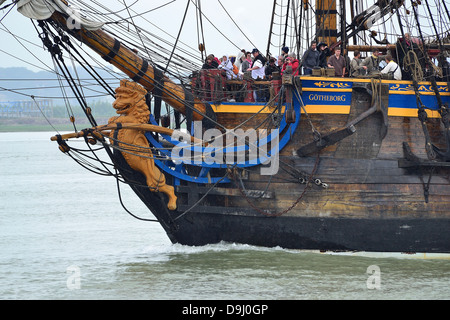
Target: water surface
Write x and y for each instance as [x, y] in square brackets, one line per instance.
[64, 235]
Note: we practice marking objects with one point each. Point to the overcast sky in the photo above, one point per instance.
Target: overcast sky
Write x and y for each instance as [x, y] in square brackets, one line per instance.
[252, 19]
[252, 29]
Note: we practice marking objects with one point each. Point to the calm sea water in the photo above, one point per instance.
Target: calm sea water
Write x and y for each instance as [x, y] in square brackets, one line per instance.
[64, 235]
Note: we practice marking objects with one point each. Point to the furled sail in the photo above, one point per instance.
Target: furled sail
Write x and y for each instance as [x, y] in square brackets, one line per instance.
[43, 9]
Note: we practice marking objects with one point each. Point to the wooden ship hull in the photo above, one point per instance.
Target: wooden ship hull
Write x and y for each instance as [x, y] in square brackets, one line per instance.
[380, 195]
[361, 168]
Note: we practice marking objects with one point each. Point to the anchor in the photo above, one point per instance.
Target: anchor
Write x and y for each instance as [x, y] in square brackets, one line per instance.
[323, 141]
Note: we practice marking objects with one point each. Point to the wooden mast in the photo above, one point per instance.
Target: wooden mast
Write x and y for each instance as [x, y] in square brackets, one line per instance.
[137, 68]
[326, 21]
[271, 29]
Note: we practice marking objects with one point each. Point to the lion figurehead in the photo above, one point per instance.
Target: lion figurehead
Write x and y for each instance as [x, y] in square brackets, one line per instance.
[130, 103]
[131, 106]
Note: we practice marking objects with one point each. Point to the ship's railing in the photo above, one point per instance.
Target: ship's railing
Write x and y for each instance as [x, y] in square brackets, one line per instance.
[212, 85]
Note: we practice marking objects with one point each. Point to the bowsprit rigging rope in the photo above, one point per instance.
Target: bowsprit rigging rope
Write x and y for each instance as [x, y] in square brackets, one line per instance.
[156, 47]
[178, 37]
[56, 53]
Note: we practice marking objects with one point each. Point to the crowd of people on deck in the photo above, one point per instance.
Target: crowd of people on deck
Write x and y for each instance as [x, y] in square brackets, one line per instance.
[256, 64]
[261, 68]
[320, 56]
[317, 56]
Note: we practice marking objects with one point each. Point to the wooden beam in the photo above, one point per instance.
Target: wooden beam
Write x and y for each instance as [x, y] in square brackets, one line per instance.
[133, 126]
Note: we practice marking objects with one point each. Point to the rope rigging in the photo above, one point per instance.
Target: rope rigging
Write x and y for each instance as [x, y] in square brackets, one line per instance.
[57, 55]
[295, 29]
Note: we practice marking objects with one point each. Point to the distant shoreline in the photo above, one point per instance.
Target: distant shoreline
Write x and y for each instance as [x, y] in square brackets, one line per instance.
[40, 124]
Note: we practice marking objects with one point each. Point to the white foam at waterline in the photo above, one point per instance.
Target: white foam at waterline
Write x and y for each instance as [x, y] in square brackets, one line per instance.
[218, 247]
[164, 249]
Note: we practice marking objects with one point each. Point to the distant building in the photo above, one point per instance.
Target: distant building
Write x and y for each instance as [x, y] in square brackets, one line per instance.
[26, 108]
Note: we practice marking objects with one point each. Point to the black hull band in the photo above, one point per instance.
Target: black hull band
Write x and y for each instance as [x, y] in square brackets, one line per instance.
[327, 234]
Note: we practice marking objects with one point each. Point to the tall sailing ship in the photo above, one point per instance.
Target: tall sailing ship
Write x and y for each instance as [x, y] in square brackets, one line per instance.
[303, 161]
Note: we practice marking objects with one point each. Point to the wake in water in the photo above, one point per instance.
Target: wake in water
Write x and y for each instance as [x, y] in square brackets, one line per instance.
[177, 249]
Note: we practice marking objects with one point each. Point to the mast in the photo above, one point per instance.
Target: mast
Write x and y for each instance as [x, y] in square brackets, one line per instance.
[287, 22]
[139, 70]
[343, 26]
[271, 29]
[326, 21]
[352, 15]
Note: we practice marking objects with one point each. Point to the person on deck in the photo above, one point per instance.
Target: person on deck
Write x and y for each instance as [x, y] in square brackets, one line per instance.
[292, 61]
[347, 63]
[356, 69]
[284, 52]
[324, 53]
[258, 65]
[257, 69]
[240, 58]
[280, 62]
[246, 63]
[310, 58]
[337, 61]
[210, 63]
[403, 47]
[227, 65]
[392, 68]
[373, 62]
[271, 68]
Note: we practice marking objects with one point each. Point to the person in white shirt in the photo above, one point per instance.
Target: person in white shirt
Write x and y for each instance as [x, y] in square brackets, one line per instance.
[258, 65]
[227, 65]
[393, 68]
[258, 72]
